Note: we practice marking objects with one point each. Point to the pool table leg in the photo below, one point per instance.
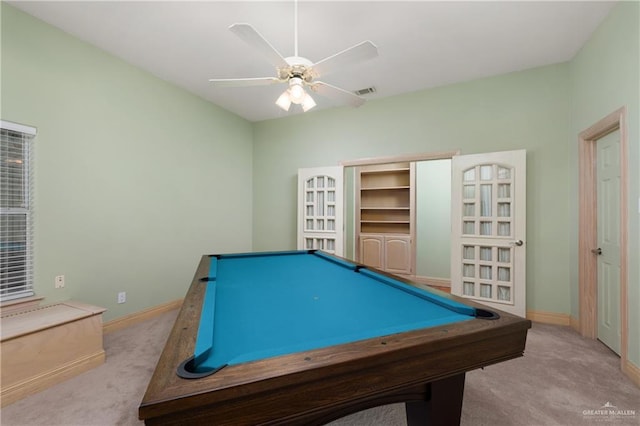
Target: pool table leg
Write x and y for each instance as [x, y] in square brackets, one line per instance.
[442, 408]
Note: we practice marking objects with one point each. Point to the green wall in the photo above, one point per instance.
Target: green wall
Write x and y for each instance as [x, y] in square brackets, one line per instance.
[135, 178]
[605, 76]
[349, 212]
[433, 219]
[528, 109]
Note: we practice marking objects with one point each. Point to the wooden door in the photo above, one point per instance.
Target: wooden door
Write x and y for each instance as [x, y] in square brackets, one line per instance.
[321, 209]
[608, 237]
[488, 213]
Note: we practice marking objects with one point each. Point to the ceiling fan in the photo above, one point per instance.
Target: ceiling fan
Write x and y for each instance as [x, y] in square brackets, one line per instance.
[299, 72]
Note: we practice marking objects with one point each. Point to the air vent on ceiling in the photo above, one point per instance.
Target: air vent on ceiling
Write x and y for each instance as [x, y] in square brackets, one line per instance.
[365, 91]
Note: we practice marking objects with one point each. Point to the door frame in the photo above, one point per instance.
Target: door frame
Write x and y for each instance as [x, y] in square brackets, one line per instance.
[587, 227]
[403, 158]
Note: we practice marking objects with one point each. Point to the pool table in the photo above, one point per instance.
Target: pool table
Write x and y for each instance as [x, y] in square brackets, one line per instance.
[304, 337]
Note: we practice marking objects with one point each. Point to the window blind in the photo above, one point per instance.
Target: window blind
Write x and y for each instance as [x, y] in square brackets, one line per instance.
[16, 206]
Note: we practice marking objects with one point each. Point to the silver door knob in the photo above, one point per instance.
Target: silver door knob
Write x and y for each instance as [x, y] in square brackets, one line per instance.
[517, 243]
[597, 251]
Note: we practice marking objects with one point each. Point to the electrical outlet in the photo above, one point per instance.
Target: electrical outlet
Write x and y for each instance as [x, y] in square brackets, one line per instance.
[59, 281]
[122, 297]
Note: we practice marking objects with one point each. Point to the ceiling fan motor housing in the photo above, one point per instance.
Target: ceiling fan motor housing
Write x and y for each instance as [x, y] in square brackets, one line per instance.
[298, 67]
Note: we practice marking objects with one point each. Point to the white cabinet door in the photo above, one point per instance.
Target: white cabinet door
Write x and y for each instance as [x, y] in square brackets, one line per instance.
[321, 209]
[488, 214]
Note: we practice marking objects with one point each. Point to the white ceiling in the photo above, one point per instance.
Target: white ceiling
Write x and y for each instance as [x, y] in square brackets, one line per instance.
[421, 44]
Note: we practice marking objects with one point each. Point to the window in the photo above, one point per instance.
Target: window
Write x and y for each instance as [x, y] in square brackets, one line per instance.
[16, 203]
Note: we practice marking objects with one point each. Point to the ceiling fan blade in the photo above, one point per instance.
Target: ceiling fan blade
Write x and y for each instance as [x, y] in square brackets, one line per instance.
[254, 39]
[236, 82]
[338, 94]
[358, 53]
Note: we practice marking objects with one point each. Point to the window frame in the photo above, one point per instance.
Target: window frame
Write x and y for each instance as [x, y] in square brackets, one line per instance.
[26, 275]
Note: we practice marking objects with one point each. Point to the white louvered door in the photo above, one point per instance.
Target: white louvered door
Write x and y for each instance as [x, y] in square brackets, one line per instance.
[488, 206]
[321, 209]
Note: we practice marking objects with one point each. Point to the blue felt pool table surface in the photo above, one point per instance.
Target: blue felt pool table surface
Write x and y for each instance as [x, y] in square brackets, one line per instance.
[260, 305]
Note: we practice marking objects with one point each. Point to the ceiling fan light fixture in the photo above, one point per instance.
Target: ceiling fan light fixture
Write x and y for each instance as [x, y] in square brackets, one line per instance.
[296, 91]
[297, 95]
[284, 100]
[308, 103]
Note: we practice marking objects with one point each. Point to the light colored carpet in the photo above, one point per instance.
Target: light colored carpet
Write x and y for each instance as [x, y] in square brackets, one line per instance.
[560, 381]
